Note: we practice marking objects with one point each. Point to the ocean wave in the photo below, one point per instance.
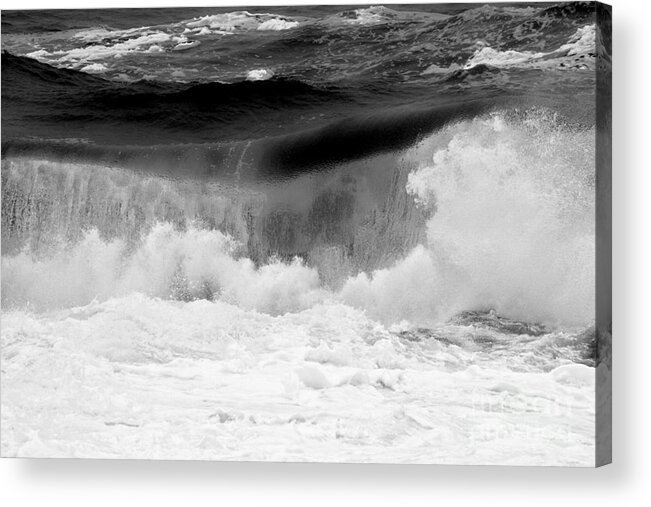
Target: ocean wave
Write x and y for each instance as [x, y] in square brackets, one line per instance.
[579, 52]
[20, 71]
[23, 69]
[514, 201]
[102, 45]
[242, 20]
[309, 226]
[380, 15]
[94, 68]
[266, 159]
[78, 57]
[196, 108]
[461, 268]
[196, 264]
[277, 24]
[259, 74]
[511, 201]
[208, 54]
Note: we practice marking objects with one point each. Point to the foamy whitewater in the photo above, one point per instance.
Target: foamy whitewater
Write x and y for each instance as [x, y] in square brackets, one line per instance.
[311, 234]
[179, 347]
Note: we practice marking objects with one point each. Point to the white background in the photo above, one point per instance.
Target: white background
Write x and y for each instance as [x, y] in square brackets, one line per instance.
[626, 482]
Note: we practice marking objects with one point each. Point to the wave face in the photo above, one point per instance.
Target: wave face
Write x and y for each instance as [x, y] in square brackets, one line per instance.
[354, 218]
[491, 213]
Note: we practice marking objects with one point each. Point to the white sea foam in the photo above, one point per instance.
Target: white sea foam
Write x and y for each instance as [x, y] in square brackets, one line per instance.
[514, 223]
[95, 68]
[581, 43]
[513, 227]
[242, 20]
[141, 377]
[277, 24]
[259, 74]
[168, 264]
[41, 55]
[141, 43]
[230, 21]
[495, 58]
[371, 15]
[185, 44]
[96, 45]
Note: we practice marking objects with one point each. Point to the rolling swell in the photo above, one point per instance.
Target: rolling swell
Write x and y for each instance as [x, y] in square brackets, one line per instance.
[360, 137]
[217, 156]
[82, 105]
[24, 70]
[352, 212]
[264, 159]
[482, 186]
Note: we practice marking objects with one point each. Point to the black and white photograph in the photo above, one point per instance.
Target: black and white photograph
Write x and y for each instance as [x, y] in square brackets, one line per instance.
[308, 233]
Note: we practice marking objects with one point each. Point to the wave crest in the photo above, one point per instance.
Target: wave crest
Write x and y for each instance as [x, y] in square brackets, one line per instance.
[514, 222]
[510, 201]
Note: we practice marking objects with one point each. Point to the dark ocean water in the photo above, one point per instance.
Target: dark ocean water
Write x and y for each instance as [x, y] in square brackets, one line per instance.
[186, 75]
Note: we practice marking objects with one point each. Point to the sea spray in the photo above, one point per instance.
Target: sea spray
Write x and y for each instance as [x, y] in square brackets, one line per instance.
[514, 222]
[511, 228]
[354, 218]
[169, 264]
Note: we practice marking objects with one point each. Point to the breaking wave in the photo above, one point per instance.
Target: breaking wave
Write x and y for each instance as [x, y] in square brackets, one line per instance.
[511, 204]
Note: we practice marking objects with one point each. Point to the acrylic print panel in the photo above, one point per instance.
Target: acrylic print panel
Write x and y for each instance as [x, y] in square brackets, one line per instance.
[307, 233]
